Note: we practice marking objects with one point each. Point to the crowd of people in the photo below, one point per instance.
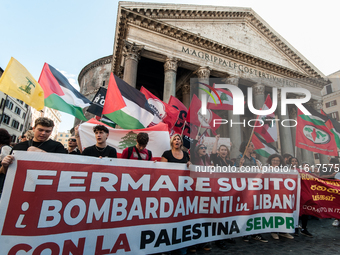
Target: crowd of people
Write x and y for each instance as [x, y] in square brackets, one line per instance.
[38, 140]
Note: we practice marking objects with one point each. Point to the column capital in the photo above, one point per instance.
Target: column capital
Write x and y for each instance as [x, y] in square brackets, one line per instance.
[203, 72]
[231, 79]
[317, 104]
[132, 51]
[171, 64]
[258, 89]
[186, 89]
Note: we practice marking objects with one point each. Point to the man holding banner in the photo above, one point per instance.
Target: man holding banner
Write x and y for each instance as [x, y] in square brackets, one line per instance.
[40, 143]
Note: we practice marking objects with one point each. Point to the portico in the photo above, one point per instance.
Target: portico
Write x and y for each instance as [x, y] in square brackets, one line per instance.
[163, 46]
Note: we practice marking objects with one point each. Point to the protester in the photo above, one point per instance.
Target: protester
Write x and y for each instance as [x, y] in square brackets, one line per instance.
[295, 164]
[258, 162]
[5, 150]
[72, 146]
[305, 166]
[176, 155]
[277, 161]
[139, 151]
[286, 158]
[247, 160]
[100, 149]
[29, 135]
[220, 157]
[40, 143]
[329, 173]
[199, 154]
[331, 170]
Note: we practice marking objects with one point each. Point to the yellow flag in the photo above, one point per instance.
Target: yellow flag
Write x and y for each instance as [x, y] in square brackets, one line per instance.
[17, 82]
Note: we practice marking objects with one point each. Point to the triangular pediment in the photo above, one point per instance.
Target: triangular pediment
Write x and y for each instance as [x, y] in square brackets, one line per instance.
[238, 28]
[240, 36]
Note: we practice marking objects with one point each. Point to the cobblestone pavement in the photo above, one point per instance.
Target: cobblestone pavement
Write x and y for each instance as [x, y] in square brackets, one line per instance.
[326, 240]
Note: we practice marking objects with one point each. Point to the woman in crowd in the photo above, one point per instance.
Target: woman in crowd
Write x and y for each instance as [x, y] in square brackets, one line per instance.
[247, 160]
[294, 163]
[5, 149]
[199, 155]
[220, 157]
[176, 154]
[277, 161]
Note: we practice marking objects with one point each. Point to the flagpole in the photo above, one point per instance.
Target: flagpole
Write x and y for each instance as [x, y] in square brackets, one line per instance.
[183, 127]
[252, 132]
[199, 129]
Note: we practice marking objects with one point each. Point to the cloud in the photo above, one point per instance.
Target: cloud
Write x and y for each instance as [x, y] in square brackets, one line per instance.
[72, 81]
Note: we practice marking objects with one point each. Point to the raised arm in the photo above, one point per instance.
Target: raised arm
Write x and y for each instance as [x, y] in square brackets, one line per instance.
[214, 149]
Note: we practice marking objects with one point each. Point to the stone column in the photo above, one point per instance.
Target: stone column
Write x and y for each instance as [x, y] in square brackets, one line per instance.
[170, 71]
[235, 133]
[308, 156]
[186, 95]
[318, 106]
[286, 139]
[258, 102]
[132, 55]
[203, 74]
[293, 115]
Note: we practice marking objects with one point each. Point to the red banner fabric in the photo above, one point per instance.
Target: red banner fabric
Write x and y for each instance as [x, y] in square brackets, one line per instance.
[101, 206]
[319, 197]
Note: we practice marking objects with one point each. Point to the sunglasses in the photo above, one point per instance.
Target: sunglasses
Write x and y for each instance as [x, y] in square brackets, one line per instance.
[203, 148]
[72, 139]
[23, 136]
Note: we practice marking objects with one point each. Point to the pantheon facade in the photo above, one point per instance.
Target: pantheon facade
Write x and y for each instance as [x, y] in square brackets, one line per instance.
[163, 46]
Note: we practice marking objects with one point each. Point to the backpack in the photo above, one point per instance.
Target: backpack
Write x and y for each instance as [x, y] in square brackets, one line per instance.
[130, 149]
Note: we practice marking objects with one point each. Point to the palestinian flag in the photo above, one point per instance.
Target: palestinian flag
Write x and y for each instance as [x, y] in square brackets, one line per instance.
[226, 99]
[59, 94]
[262, 148]
[126, 105]
[334, 127]
[312, 133]
[268, 130]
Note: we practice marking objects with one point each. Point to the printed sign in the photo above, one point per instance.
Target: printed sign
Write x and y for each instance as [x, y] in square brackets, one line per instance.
[84, 205]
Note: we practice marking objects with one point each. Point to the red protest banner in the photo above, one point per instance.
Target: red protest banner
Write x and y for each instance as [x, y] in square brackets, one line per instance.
[319, 197]
[100, 206]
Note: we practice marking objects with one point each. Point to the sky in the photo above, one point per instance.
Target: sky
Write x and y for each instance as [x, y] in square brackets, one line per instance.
[70, 34]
